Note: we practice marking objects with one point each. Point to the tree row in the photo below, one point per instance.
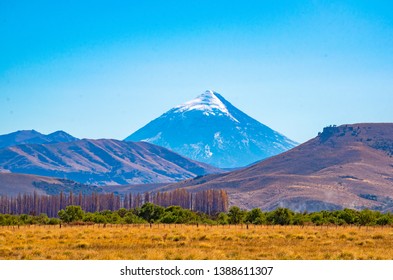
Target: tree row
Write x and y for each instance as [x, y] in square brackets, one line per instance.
[152, 213]
[207, 201]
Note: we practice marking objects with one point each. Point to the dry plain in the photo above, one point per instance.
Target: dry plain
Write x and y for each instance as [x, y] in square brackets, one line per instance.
[186, 242]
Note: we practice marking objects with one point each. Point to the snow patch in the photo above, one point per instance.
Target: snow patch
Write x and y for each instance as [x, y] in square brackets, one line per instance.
[208, 153]
[219, 140]
[153, 139]
[245, 142]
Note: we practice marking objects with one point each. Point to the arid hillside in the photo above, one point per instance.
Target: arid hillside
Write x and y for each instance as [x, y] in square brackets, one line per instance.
[346, 166]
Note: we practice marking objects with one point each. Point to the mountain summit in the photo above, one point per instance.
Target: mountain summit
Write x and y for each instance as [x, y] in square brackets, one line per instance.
[211, 130]
[34, 137]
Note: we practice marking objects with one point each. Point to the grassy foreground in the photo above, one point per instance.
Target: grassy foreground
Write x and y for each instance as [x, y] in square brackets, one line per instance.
[186, 242]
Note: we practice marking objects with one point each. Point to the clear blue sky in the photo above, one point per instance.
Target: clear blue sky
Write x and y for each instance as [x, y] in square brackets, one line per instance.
[103, 69]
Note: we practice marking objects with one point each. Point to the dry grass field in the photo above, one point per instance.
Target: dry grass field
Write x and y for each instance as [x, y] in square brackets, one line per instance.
[183, 242]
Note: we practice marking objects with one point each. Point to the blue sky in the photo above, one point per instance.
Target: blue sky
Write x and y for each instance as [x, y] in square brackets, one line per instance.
[103, 69]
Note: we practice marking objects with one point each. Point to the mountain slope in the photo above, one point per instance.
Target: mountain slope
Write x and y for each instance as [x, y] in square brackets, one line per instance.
[346, 166]
[12, 184]
[34, 137]
[211, 130]
[101, 162]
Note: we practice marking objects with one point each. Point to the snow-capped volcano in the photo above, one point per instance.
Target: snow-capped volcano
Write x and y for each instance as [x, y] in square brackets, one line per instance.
[211, 130]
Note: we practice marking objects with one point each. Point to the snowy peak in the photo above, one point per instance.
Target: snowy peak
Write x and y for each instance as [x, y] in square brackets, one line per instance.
[208, 102]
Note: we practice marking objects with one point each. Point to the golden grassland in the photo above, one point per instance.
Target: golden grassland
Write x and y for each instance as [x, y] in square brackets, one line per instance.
[186, 242]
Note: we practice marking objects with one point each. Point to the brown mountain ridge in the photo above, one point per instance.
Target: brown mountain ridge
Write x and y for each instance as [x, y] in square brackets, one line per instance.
[12, 184]
[346, 166]
[102, 162]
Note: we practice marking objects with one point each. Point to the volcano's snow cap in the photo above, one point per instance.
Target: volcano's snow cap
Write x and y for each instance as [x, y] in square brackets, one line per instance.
[207, 102]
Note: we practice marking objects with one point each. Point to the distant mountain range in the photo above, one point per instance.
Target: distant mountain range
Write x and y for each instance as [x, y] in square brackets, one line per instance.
[34, 137]
[347, 166]
[209, 129]
[102, 162]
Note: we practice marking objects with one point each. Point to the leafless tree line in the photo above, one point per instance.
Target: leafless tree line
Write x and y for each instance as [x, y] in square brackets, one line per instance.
[207, 201]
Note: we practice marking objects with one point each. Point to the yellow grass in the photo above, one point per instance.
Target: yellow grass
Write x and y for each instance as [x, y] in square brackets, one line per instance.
[194, 243]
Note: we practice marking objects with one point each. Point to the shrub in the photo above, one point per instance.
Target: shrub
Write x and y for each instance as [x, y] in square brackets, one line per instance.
[72, 213]
[255, 216]
[236, 215]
